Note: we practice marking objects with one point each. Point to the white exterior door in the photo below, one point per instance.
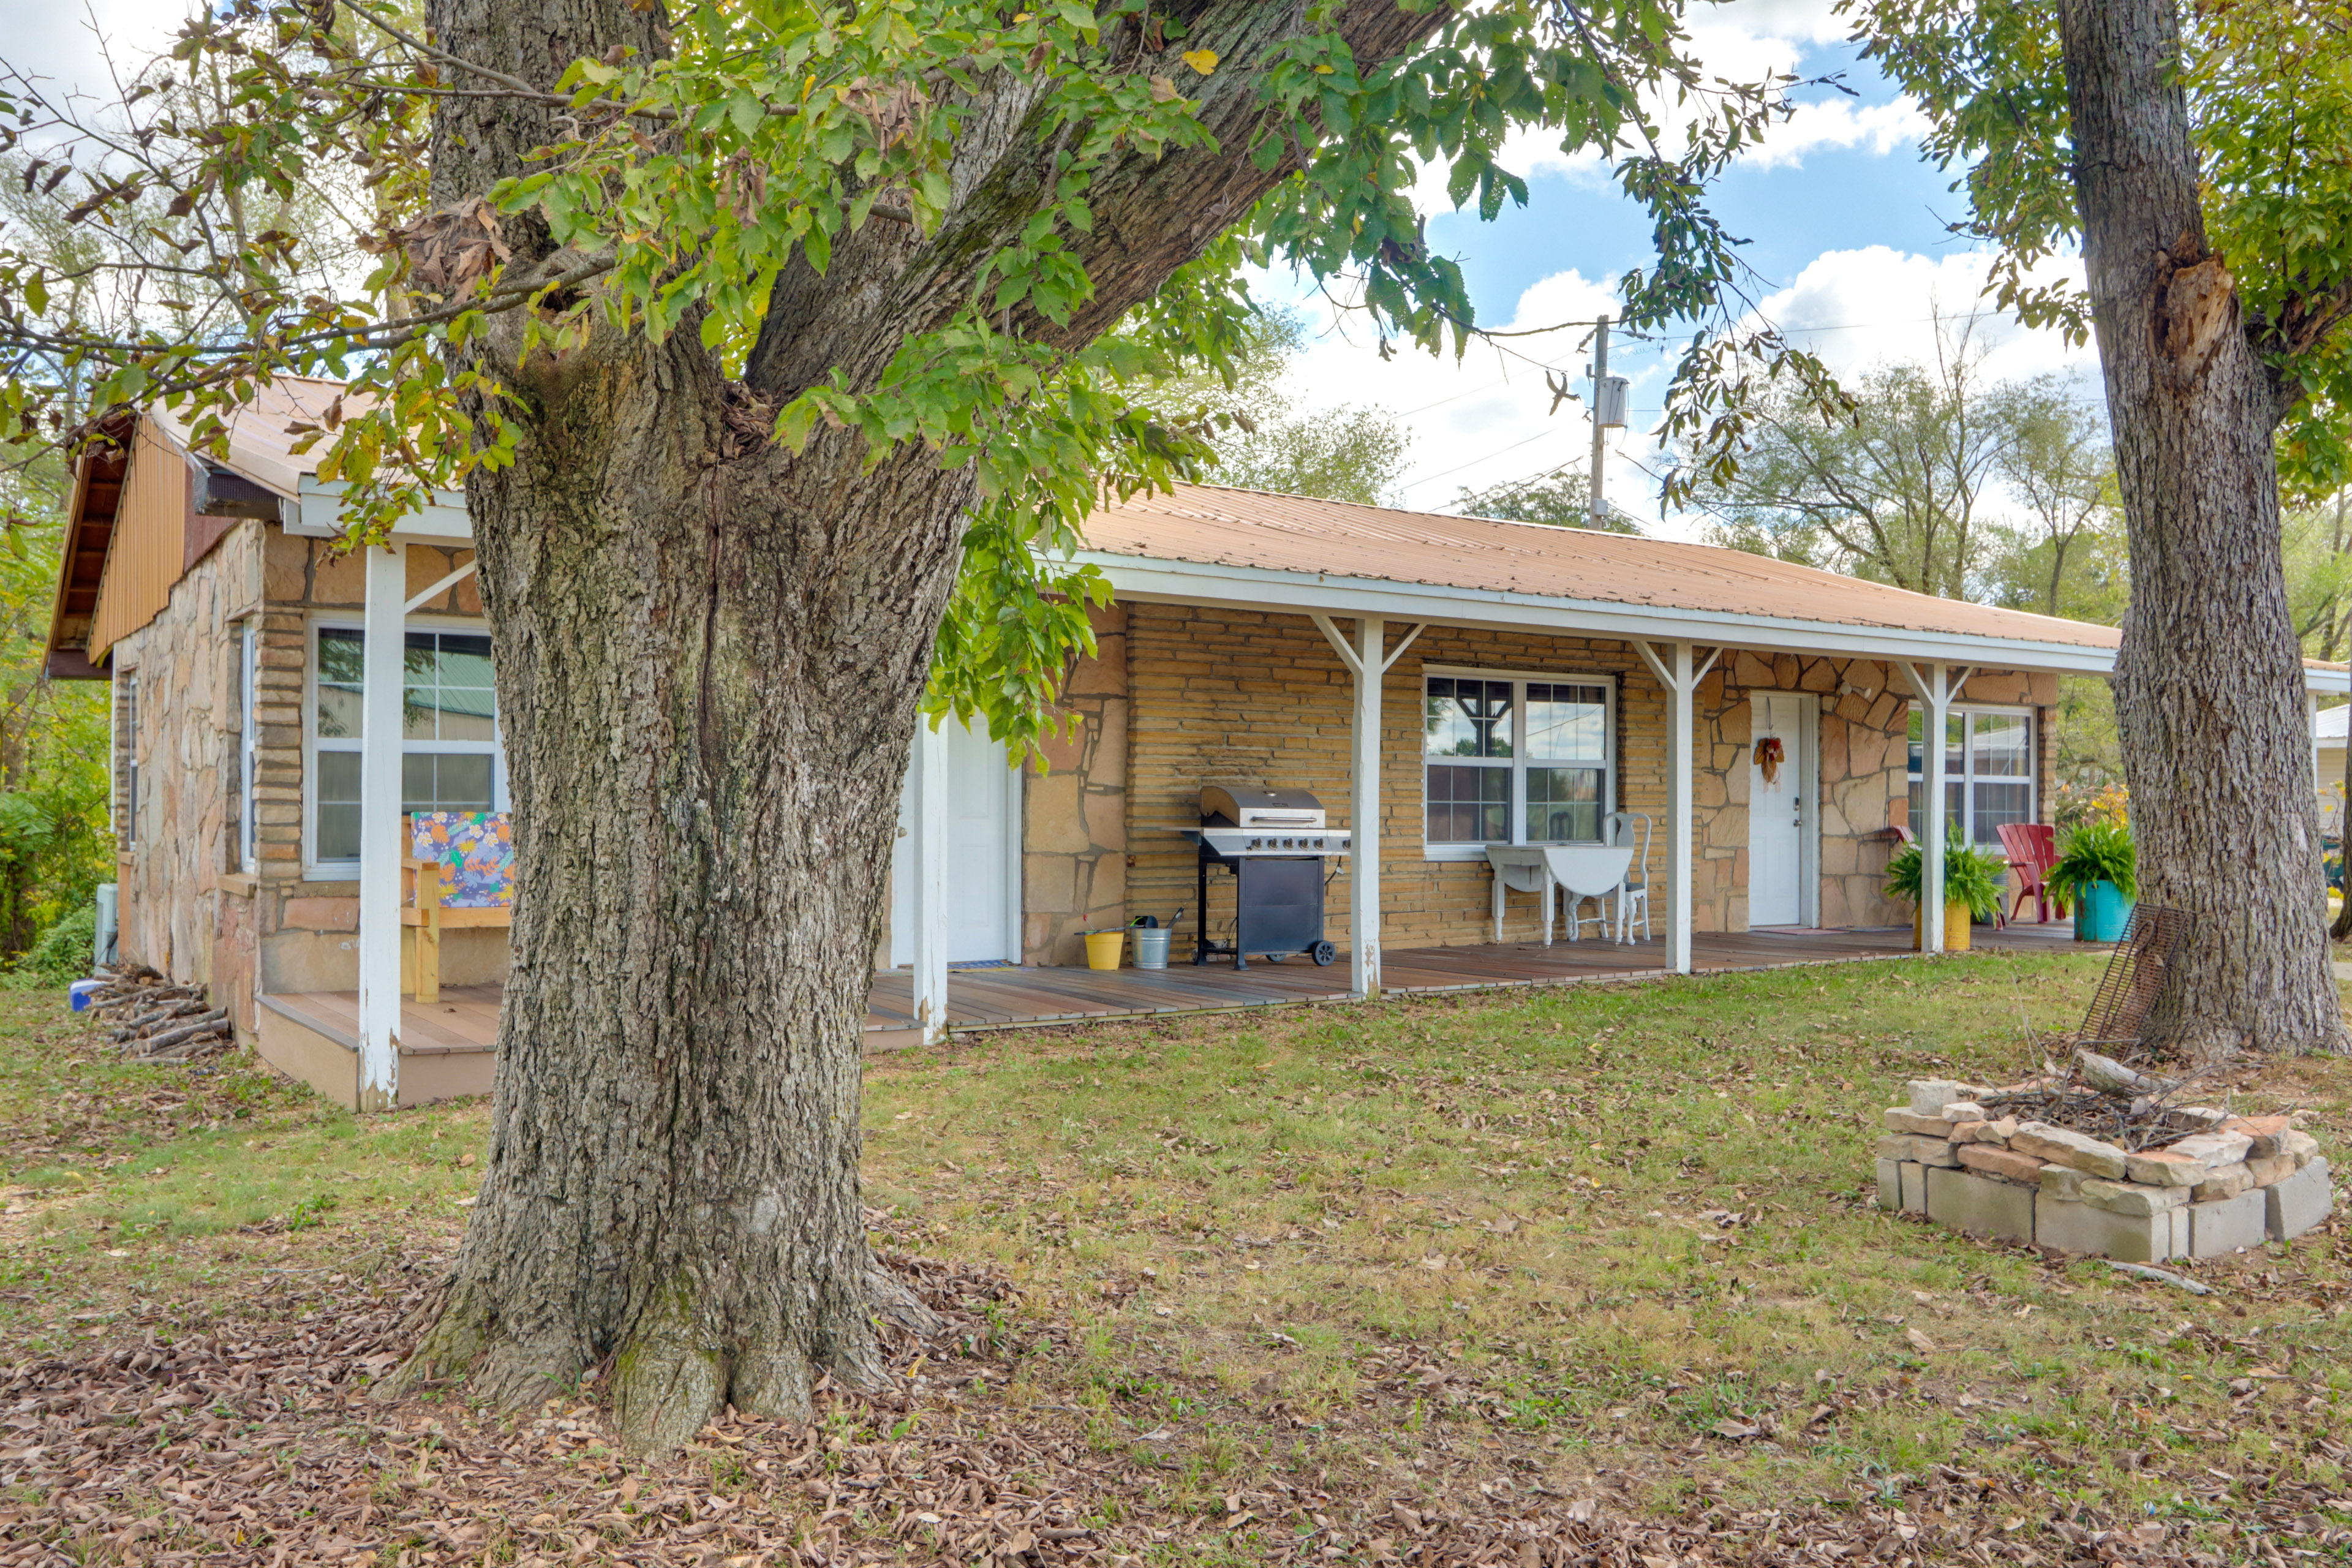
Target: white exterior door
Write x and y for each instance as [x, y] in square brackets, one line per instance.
[982, 854]
[1777, 808]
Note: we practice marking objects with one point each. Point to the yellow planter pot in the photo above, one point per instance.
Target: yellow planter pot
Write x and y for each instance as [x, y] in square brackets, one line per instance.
[1103, 948]
[1956, 929]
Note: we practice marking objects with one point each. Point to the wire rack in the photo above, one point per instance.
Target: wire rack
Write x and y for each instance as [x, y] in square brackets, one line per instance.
[2137, 972]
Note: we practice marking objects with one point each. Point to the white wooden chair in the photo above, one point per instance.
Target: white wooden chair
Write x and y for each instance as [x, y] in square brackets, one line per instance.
[1633, 892]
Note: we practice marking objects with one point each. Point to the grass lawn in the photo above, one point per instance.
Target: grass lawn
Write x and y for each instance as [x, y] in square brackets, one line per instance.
[1510, 1277]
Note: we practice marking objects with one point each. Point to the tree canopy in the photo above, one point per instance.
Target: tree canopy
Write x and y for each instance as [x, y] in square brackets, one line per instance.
[681, 185]
[2269, 90]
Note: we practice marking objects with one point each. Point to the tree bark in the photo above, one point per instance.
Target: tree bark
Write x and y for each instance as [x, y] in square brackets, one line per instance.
[2209, 690]
[709, 655]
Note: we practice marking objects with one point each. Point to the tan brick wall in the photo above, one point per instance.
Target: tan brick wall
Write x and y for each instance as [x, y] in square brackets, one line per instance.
[1074, 810]
[1224, 697]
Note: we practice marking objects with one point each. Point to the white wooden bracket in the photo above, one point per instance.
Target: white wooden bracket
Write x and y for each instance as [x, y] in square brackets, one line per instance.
[443, 586]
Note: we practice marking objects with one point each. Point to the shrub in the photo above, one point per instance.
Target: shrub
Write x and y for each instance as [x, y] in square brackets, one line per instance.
[63, 952]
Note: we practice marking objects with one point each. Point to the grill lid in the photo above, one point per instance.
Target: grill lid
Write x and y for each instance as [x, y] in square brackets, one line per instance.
[1249, 805]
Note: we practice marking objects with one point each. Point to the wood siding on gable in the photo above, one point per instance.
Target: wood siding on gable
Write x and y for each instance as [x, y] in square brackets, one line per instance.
[149, 548]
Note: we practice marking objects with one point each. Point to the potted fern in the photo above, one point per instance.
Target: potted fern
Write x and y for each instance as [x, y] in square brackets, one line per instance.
[2099, 870]
[1971, 888]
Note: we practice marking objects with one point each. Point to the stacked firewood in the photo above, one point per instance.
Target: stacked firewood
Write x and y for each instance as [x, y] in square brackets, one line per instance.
[156, 1020]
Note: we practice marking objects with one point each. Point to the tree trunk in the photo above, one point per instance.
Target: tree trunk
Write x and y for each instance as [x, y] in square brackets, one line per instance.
[709, 655]
[2209, 692]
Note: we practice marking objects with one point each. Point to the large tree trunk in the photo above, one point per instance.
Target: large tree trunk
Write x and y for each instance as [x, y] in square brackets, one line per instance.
[709, 655]
[2210, 694]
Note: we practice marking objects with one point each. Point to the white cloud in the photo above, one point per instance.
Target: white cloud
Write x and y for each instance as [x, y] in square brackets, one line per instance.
[1487, 418]
[1875, 305]
[1841, 124]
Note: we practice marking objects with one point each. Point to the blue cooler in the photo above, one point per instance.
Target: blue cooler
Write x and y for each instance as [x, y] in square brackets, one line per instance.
[80, 992]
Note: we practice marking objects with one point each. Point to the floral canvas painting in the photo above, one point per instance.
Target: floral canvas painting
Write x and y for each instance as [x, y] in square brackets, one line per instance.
[476, 849]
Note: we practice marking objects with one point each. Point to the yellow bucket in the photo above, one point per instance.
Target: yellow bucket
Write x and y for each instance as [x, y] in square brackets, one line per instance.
[1103, 948]
[1956, 929]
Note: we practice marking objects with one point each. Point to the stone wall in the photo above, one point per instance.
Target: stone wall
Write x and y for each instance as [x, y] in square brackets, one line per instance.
[1862, 790]
[179, 891]
[1074, 811]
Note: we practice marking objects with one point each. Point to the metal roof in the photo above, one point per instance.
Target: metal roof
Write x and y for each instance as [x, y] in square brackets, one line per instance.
[1251, 529]
[260, 448]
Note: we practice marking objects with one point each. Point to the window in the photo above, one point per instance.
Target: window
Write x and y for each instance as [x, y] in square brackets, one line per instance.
[247, 662]
[450, 737]
[128, 750]
[1514, 760]
[1988, 770]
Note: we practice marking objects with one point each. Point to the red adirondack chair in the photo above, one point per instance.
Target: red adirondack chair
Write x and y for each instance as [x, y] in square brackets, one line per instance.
[2032, 849]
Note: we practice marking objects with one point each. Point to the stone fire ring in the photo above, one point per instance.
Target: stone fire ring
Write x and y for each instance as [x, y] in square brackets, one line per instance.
[2233, 1184]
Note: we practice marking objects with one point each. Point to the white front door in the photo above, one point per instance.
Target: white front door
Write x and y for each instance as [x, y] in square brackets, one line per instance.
[1777, 791]
[983, 855]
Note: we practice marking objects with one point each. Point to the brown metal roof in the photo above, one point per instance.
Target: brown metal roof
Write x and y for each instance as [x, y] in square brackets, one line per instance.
[260, 446]
[1212, 525]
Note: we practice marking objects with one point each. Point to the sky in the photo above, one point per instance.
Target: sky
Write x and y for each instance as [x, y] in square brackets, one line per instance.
[1847, 237]
[1847, 232]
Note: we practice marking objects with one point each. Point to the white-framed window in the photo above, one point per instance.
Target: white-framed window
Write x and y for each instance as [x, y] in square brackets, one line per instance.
[1988, 770]
[128, 718]
[249, 658]
[449, 735]
[1514, 758]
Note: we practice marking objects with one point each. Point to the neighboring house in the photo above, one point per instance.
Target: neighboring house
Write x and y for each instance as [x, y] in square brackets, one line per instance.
[1536, 678]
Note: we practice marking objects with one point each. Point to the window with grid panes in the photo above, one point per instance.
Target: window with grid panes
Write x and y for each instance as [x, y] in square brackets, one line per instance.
[449, 748]
[1513, 760]
[1988, 770]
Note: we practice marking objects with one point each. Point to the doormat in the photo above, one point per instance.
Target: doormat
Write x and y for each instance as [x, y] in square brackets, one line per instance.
[985, 963]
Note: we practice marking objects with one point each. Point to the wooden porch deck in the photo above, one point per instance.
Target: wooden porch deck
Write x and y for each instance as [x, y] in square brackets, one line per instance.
[1017, 998]
[447, 1047]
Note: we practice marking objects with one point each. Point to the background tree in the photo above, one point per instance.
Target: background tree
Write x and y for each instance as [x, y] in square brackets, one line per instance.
[1262, 438]
[1891, 488]
[2057, 470]
[1562, 497]
[2202, 178]
[773, 345]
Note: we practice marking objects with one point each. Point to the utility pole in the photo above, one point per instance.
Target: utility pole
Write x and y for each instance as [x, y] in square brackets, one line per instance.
[1599, 508]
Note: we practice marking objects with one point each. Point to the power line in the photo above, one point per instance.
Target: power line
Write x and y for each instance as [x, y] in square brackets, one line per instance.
[1427, 478]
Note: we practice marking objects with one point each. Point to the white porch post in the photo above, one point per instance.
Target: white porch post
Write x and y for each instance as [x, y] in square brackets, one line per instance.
[1368, 660]
[1932, 830]
[929, 873]
[1674, 671]
[380, 850]
[1680, 721]
[1364, 812]
[1935, 686]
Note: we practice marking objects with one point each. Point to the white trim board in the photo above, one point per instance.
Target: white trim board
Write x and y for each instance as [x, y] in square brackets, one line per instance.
[1144, 579]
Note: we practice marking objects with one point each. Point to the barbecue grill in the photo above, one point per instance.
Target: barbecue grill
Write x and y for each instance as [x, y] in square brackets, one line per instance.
[1274, 842]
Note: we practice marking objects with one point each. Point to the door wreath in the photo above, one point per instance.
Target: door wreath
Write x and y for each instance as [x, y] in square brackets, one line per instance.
[1769, 756]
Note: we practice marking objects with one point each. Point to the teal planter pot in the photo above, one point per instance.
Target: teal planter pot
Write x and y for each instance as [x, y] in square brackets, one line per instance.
[2100, 914]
